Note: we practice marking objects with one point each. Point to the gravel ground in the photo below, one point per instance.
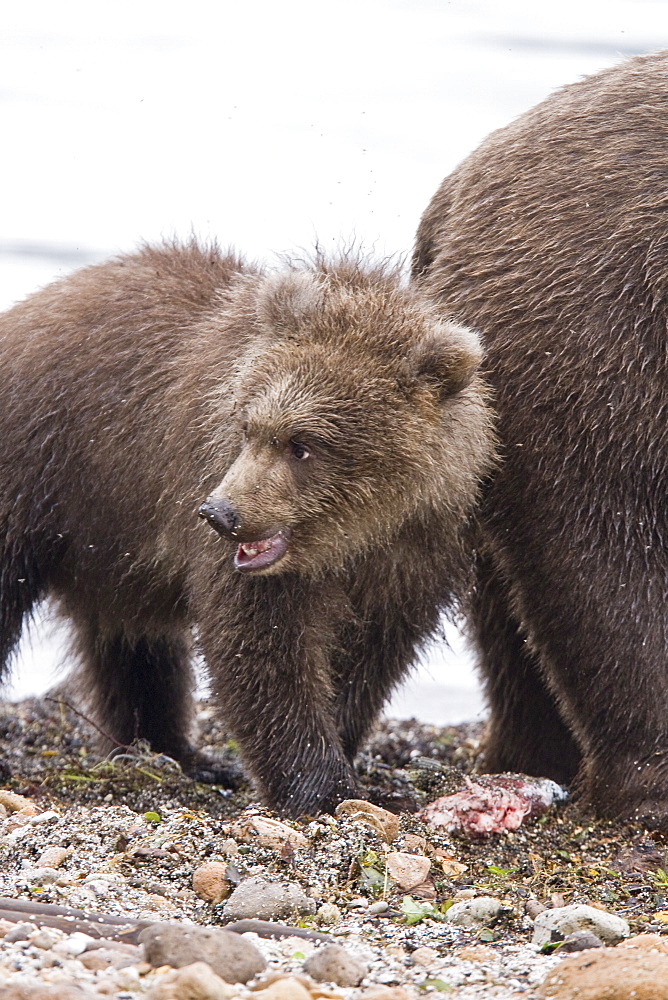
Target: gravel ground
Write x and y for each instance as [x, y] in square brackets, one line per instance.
[124, 838]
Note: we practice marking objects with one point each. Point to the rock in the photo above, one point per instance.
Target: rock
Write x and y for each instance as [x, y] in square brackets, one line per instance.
[267, 832]
[192, 982]
[425, 956]
[580, 941]
[260, 897]
[41, 876]
[385, 823]
[386, 993]
[53, 857]
[651, 942]
[407, 870]
[555, 925]
[481, 911]
[231, 956]
[210, 882]
[283, 989]
[17, 803]
[73, 945]
[20, 932]
[105, 958]
[45, 938]
[333, 964]
[380, 906]
[609, 974]
[328, 913]
[477, 953]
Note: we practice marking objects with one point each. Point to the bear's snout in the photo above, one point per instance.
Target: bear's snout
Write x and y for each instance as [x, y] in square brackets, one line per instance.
[221, 515]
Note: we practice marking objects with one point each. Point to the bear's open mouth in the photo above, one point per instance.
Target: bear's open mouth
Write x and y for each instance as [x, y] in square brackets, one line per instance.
[251, 556]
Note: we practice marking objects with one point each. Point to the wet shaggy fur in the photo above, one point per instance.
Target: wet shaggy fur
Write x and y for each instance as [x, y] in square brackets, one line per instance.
[552, 240]
[326, 407]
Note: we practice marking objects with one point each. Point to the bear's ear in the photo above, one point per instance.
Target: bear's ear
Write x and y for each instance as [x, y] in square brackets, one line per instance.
[448, 356]
[287, 298]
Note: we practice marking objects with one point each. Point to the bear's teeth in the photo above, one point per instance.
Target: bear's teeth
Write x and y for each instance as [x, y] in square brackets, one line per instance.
[253, 548]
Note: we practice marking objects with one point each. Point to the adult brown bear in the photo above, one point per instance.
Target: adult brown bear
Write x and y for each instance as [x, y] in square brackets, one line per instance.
[552, 240]
[339, 430]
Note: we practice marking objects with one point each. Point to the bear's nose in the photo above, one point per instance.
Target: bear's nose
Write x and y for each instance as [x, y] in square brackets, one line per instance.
[220, 514]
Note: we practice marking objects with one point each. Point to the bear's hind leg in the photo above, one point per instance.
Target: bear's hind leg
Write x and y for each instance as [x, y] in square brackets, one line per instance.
[525, 732]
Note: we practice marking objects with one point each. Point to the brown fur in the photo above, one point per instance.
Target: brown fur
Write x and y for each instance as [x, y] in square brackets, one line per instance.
[133, 391]
[552, 239]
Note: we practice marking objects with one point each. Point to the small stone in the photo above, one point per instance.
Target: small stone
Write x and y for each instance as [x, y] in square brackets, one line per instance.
[44, 938]
[580, 941]
[481, 911]
[328, 913]
[425, 956]
[127, 978]
[53, 857]
[358, 903]
[260, 897]
[38, 818]
[651, 942]
[380, 906]
[284, 989]
[17, 803]
[41, 876]
[534, 907]
[464, 894]
[407, 870]
[231, 956]
[210, 882]
[609, 974]
[229, 846]
[385, 823]
[477, 953]
[192, 982]
[105, 958]
[417, 845]
[555, 925]
[20, 932]
[266, 832]
[386, 993]
[333, 964]
[73, 945]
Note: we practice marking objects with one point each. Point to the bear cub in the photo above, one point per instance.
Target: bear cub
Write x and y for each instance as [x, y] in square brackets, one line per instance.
[329, 426]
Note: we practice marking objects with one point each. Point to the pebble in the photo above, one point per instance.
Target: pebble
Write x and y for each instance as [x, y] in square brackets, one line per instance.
[73, 945]
[267, 832]
[407, 870]
[231, 956]
[53, 857]
[284, 989]
[334, 964]
[41, 876]
[192, 982]
[380, 906]
[580, 941]
[555, 925]
[385, 823]
[267, 900]
[609, 974]
[210, 882]
[481, 911]
[21, 932]
[104, 958]
[425, 956]
[329, 913]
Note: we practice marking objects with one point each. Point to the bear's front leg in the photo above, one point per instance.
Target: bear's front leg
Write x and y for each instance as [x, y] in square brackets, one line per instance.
[267, 643]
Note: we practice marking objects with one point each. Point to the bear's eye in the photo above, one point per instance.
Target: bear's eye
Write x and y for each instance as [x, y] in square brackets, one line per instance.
[299, 451]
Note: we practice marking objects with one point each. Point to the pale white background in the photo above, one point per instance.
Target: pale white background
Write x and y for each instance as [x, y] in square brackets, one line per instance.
[267, 125]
